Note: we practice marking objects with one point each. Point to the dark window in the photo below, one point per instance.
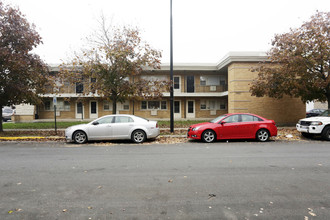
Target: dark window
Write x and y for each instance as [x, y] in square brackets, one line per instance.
[190, 106]
[143, 105]
[163, 105]
[93, 107]
[176, 107]
[176, 82]
[79, 87]
[47, 105]
[190, 84]
[153, 104]
[79, 108]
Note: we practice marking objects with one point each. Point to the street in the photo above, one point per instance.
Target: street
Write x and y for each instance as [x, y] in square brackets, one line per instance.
[194, 180]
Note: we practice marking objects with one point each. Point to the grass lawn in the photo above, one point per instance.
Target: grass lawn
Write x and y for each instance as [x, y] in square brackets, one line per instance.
[62, 125]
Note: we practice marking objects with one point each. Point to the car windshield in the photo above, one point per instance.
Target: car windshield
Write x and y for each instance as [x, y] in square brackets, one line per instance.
[326, 113]
[218, 119]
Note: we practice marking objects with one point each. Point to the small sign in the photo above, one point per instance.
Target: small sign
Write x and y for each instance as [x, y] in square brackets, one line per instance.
[54, 100]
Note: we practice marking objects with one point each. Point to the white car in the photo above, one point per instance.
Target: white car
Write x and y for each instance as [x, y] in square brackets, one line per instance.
[114, 127]
[319, 125]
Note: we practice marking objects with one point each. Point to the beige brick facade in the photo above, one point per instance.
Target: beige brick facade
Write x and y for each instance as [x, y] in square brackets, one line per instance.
[201, 91]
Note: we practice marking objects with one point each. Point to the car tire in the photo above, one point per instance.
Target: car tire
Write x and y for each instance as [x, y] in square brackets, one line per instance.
[262, 135]
[307, 135]
[326, 133]
[79, 137]
[208, 136]
[138, 136]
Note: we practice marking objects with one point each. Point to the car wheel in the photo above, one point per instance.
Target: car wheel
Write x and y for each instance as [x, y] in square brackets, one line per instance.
[326, 133]
[208, 136]
[262, 135]
[80, 137]
[139, 136]
[307, 135]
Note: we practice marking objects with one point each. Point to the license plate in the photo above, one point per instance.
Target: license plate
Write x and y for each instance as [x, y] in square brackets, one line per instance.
[304, 127]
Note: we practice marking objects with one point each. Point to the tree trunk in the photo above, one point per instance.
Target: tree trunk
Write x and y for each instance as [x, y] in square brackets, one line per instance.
[1, 130]
[114, 106]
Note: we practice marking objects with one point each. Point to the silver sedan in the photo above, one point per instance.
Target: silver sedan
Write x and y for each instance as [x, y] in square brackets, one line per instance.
[114, 127]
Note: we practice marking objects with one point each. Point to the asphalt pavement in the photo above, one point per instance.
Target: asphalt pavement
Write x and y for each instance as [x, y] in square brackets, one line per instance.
[194, 180]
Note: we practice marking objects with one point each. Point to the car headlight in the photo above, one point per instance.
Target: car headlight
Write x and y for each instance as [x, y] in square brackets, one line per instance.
[316, 123]
[195, 128]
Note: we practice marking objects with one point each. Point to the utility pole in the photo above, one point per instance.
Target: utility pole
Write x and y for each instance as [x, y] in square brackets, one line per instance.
[171, 72]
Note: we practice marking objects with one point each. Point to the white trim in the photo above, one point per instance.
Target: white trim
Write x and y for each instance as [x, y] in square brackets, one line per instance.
[78, 115]
[93, 116]
[177, 115]
[191, 115]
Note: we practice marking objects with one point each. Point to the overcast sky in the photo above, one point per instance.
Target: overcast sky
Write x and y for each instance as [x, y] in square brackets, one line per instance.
[204, 30]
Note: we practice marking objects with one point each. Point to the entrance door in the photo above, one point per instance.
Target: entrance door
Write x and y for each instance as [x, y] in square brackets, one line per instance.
[190, 109]
[190, 84]
[177, 109]
[93, 111]
[80, 110]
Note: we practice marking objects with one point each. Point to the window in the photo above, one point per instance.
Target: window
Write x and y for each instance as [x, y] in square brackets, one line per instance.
[126, 107]
[79, 87]
[105, 120]
[153, 105]
[222, 105]
[106, 106]
[202, 81]
[47, 105]
[176, 106]
[123, 119]
[214, 80]
[152, 79]
[212, 104]
[66, 106]
[123, 106]
[203, 104]
[248, 118]
[61, 106]
[176, 82]
[143, 105]
[163, 105]
[232, 119]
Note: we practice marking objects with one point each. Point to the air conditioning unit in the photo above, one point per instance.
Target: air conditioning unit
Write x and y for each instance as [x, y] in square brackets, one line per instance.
[213, 88]
[153, 112]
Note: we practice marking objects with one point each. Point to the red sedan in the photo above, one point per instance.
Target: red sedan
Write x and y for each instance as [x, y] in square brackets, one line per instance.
[234, 126]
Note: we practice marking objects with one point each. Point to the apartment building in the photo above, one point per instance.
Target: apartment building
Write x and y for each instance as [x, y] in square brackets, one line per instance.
[201, 91]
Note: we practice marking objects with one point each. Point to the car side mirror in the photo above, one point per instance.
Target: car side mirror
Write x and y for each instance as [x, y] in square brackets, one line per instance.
[95, 123]
[223, 122]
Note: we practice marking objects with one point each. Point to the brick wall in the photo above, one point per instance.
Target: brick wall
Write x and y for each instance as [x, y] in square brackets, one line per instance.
[284, 111]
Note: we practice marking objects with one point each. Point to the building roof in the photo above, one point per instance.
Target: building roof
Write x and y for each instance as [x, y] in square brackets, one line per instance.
[238, 56]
